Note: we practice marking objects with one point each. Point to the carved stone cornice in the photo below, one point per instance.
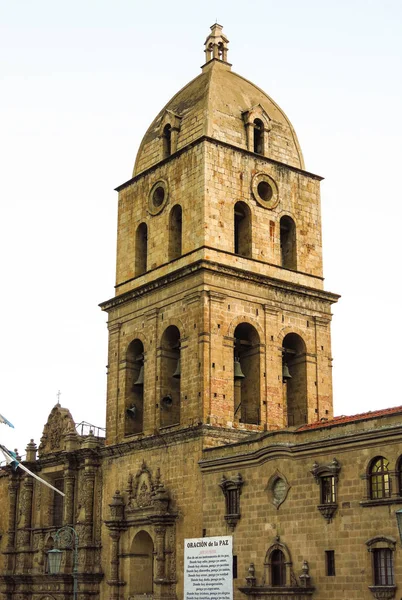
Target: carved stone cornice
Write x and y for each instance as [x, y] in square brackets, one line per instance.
[215, 142]
[284, 291]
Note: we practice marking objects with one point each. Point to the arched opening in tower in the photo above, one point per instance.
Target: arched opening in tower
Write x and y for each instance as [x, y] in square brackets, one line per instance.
[246, 375]
[141, 249]
[295, 378]
[167, 141]
[242, 230]
[288, 243]
[170, 377]
[134, 404]
[258, 136]
[175, 232]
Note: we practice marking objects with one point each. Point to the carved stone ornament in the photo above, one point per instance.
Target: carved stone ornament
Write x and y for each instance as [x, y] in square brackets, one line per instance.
[145, 492]
[291, 588]
[327, 511]
[320, 471]
[117, 507]
[383, 592]
[278, 488]
[59, 423]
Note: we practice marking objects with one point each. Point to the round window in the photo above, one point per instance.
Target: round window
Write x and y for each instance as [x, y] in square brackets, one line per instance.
[158, 197]
[265, 190]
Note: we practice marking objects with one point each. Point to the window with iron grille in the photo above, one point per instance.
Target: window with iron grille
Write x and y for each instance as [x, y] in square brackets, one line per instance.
[231, 489]
[383, 566]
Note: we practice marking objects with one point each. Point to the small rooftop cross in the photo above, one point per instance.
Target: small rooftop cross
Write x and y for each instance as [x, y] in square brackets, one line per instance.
[58, 397]
[216, 44]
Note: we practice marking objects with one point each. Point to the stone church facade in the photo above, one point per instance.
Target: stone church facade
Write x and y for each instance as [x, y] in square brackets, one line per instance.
[219, 401]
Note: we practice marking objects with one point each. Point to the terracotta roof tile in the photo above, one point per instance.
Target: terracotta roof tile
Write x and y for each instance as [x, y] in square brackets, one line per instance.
[342, 420]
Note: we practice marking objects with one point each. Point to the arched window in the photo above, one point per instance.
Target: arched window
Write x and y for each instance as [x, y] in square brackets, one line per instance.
[295, 378]
[141, 573]
[258, 136]
[242, 229]
[246, 374]
[167, 140]
[170, 377]
[278, 565]
[175, 232]
[134, 402]
[288, 243]
[141, 249]
[399, 475]
[278, 568]
[380, 485]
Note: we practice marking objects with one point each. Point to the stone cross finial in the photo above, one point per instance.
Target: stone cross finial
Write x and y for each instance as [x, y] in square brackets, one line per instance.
[216, 44]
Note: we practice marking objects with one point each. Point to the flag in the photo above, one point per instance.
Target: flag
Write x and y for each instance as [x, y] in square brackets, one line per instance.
[6, 421]
[11, 459]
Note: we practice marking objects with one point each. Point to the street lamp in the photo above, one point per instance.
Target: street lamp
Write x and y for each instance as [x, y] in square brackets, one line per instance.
[398, 515]
[65, 537]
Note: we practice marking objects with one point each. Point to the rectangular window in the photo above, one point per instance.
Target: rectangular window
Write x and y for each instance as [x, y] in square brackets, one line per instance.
[380, 486]
[234, 566]
[328, 495]
[383, 567]
[330, 562]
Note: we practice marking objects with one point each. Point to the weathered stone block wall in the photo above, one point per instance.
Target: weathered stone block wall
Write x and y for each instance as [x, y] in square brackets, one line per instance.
[297, 521]
[181, 478]
[185, 186]
[229, 175]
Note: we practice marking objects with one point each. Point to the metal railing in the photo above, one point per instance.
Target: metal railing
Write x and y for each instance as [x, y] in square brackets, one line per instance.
[84, 428]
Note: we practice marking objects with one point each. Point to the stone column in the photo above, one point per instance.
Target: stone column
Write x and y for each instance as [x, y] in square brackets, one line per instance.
[24, 524]
[13, 487]
[116, 526]
[160, 553]
[69, 488]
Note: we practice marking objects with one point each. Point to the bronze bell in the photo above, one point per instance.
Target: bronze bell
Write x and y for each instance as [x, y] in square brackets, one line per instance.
[132, 411]
[285, 373]
[237, 372]
[167, 401]
[177, 373]
[140, 379]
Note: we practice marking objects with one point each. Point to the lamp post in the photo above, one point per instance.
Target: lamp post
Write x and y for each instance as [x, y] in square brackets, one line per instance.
[398, 515]
[66, 537]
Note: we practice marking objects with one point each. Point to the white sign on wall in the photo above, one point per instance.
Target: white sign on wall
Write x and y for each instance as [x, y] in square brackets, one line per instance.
[208, 568]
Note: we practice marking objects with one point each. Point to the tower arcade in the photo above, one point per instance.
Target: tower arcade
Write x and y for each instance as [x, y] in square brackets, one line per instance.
[220, 317]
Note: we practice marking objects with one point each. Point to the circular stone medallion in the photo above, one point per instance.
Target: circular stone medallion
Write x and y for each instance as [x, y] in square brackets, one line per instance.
[265, 190]
[158, 197]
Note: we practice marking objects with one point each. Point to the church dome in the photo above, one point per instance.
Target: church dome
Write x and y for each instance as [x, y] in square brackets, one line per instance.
[221, 105]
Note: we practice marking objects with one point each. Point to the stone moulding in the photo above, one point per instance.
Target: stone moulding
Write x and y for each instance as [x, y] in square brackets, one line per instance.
[278, 593]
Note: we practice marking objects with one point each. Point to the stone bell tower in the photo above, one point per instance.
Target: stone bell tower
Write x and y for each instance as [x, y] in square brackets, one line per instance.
[220, 318]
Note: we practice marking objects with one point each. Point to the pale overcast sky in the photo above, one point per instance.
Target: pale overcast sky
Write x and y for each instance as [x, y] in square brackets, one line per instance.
[81, 81]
